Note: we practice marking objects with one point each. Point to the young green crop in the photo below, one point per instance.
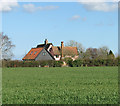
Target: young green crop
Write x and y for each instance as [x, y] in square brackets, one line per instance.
[82, 85]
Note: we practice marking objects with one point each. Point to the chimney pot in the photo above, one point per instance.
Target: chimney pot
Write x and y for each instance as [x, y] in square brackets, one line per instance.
[46, 41]
[62, 44]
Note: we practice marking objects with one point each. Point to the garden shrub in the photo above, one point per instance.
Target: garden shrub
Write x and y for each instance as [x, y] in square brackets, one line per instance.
[69, 61]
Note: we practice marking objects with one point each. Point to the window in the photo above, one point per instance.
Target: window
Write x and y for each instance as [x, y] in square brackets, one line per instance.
[35, 52]
[31, 52]
[44, 53]
[50, 49]
[57, 56]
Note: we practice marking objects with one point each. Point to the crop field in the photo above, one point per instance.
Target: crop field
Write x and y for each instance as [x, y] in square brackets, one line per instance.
[67, 85]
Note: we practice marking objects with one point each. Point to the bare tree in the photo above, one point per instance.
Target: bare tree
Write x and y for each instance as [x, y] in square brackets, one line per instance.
[79, 46]
[91, 53]
[103, 52]
[5, 47]
[94, 53]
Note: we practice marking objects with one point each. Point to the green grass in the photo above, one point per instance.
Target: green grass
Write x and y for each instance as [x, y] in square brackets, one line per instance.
[82, 85]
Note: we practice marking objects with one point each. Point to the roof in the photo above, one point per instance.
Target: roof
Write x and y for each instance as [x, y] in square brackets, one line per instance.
[56, 50]
[70, 51]
[33, 53]
[66, 50]
[44, 45]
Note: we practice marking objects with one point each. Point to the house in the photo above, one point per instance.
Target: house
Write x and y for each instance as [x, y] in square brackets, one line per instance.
[47, 51]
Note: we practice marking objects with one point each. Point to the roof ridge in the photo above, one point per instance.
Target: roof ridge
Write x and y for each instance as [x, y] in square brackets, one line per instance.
[69, 46]
[37, 48]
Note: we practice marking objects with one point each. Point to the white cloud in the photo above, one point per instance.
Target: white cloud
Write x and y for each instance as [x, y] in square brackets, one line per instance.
[101, 24]
[75, 17]
[7, 5]
[33, 8]
[98, 1]
[99, 5]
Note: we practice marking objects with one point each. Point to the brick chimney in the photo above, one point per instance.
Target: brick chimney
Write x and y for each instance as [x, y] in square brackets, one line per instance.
[46, 41]
[62, 45]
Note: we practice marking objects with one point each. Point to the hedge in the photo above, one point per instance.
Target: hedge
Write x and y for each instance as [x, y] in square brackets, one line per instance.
[69, 62]
[93, 62]
[32, 63]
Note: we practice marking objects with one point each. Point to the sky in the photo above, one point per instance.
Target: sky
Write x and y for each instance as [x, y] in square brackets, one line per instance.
[29, 23]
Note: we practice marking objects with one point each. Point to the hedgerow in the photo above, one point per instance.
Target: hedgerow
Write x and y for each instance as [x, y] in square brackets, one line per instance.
[69, 62]
[17, 63]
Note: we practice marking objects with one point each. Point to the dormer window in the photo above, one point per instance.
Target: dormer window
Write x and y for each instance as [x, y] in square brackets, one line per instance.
[35, 52]
[31, 52]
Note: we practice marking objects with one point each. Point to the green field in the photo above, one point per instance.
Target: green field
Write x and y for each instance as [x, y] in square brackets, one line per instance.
[80, 85]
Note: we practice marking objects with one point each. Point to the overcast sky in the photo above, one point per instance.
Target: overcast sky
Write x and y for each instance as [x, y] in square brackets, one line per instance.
[28, 24]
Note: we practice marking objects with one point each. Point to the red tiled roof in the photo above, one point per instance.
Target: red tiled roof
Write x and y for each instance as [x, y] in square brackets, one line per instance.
[66, 50]
[33, 53]
[70, 51]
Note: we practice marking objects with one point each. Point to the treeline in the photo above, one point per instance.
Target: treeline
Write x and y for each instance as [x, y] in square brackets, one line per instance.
[66, 62]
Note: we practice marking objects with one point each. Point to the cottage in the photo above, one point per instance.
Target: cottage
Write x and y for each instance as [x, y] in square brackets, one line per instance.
[47, 51]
